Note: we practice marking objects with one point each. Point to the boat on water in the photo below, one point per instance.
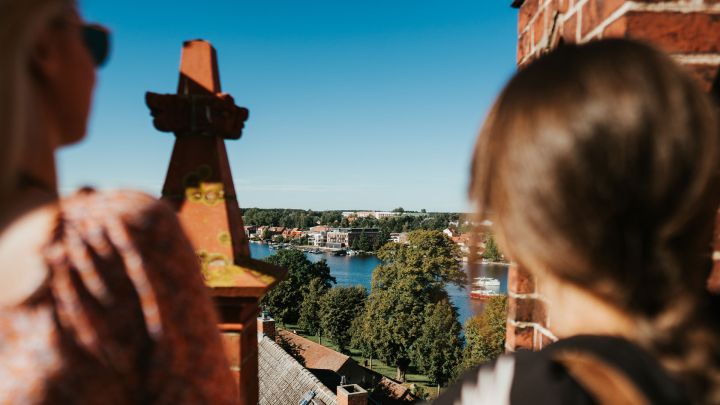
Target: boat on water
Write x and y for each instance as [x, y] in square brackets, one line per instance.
[484, 294]
[484, 288]
[486, 283]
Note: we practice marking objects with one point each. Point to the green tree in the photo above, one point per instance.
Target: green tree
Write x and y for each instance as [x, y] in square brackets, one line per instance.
[338, 309]
[492, 251]
[390, 325]
[310, 307]
[430, 257]
[411, 277]
[399, 209]
[331, 218]
[364, 243]
[438, 351]
[381, 239]
[284, 301]
[485, 334]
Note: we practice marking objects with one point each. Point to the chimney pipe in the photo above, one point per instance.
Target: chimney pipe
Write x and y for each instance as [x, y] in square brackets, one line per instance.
[266, 326]
[351, 394]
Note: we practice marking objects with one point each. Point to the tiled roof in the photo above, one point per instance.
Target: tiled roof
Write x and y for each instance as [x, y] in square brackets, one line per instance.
[284, 381]
[389, 392]
[328, 365]
[316, 356]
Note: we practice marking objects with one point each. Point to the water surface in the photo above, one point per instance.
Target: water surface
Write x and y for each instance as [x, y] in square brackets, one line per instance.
[354, 270]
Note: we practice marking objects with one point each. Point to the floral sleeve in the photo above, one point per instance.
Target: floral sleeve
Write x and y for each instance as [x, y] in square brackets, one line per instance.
[128, 291]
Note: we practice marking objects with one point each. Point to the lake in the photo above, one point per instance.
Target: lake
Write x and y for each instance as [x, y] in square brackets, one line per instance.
[354, 270]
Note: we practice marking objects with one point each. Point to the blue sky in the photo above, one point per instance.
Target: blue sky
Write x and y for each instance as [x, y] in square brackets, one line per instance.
[353, 104]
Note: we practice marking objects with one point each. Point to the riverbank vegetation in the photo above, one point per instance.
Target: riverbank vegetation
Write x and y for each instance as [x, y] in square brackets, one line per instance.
[407, 320]
[485, 334]
[411, 278]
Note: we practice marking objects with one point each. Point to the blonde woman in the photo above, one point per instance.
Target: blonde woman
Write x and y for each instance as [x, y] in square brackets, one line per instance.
[101, 300]
[600, 166]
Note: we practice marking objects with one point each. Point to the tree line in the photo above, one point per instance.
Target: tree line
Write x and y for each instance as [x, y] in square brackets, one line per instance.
[290, 218]
[405, 320]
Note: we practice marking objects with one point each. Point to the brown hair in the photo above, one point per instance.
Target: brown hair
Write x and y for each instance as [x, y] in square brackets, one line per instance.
[20, 22]
[600, 163]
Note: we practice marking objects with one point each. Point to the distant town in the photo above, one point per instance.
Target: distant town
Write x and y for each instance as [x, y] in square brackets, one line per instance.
[349, 232]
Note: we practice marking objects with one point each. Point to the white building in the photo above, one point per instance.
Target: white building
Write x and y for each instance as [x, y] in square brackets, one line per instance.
[317, 238]
[451, 233]
[385, 214]
[373, 214]
[399, 237]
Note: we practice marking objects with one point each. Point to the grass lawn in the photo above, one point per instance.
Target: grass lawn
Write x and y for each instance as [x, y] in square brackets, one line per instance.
[411, 377]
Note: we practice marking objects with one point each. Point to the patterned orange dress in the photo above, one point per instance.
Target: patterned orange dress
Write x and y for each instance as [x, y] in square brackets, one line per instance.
[123, 316]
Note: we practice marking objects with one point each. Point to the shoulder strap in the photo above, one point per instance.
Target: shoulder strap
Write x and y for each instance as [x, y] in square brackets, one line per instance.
[605, 383]
[616, 371]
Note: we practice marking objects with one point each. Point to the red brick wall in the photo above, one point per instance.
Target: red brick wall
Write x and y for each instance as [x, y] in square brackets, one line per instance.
[238, 328]
[528, 324]
[689, 30]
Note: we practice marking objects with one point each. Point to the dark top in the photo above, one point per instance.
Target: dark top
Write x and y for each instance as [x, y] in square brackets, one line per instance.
[539, 378]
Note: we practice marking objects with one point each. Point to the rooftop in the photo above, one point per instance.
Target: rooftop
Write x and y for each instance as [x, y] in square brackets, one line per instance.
[284, 381]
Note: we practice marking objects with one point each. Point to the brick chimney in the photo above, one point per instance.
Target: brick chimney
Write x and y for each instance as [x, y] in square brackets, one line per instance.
[351, 394]
[688, 30]
[266, 326]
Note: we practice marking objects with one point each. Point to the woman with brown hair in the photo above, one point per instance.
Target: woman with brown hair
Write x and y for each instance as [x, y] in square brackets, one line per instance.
[599, 165]
[101, 298]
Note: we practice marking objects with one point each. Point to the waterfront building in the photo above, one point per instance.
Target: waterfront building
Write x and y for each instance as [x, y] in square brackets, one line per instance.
[293, 233]
[250, 231]
[317, 238]
[339, 238]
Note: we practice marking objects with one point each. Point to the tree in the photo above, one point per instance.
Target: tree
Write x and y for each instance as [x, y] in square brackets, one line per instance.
[310, 307]
[492, 251]
[381, 239]
[364, 243]
[485, 334]
[389, 326]
[411, 277]
[438, 351]
[338, 309]
[399, 210]
[429, 256]
[285, 300]
[331, 218]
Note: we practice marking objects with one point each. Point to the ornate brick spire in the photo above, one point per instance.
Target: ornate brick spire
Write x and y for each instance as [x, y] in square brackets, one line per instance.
[199, 185]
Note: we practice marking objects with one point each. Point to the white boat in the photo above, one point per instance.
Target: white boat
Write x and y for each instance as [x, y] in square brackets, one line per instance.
[486, 283]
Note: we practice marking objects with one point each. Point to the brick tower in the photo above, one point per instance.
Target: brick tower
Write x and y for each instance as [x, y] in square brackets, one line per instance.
[199, 186]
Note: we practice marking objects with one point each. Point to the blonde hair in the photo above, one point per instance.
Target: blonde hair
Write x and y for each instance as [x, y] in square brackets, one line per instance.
[20, 22]
[600, 163]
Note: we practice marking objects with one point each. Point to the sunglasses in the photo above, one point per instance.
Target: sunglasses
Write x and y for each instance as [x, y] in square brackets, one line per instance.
[97, 41]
